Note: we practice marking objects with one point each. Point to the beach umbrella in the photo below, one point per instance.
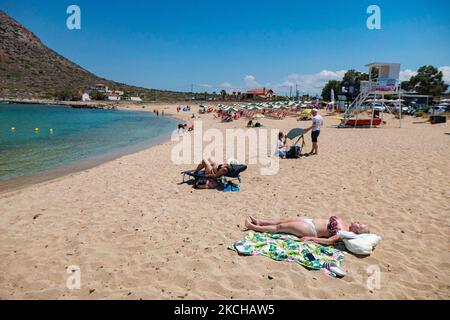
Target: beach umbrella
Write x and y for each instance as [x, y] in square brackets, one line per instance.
[295, 133]
[332, 98]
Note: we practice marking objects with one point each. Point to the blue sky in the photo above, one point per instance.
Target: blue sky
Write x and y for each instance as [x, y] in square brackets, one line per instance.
[239, 44]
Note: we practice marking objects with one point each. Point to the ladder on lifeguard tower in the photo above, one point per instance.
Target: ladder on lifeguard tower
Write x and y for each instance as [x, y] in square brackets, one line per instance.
[357, 106]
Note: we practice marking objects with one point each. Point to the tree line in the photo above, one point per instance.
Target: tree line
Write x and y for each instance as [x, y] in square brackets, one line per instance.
[428, 81]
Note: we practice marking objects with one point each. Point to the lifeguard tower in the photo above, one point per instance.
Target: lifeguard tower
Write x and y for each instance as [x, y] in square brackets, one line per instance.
[384, 79]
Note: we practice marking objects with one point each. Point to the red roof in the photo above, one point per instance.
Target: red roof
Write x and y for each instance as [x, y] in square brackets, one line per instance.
[259, 91]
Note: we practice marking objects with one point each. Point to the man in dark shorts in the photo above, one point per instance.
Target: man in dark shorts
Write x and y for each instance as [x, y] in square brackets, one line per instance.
[317, 123]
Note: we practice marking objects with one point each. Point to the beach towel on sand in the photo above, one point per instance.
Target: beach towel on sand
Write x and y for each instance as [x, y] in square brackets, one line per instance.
[283, 247]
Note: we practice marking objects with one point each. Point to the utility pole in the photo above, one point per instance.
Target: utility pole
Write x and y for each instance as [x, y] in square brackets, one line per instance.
[296, 91]
[192, 88]
[290, 92]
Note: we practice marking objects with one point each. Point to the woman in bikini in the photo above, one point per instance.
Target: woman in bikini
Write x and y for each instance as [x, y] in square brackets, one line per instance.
[212, 172]
[323, 231]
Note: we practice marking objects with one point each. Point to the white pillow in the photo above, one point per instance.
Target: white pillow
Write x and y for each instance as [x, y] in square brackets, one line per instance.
[363, 244]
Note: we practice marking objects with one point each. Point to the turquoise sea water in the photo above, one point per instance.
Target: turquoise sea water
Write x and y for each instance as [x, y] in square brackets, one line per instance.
[78, 134]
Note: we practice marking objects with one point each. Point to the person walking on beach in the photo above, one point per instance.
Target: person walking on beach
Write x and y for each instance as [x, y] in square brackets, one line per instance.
[317, 123]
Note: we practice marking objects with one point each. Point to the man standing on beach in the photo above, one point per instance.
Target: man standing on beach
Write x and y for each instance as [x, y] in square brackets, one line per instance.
[317, 123]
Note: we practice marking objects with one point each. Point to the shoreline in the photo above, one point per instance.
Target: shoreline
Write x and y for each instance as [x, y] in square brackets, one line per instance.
[21, 182]
[73, 104]
[106, 104]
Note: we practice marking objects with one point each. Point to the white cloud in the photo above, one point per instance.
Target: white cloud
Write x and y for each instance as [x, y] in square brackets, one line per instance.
[407, 74]
[311, 83]
[225, 85]
[250, 81]
[446, 73]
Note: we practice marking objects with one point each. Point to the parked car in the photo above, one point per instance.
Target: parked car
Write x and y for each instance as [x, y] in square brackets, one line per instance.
[379, 107]
[397, 107]
[438, 109]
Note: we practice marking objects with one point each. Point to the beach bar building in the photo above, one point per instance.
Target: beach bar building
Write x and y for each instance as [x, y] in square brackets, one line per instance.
[259, 93]
[384, 80]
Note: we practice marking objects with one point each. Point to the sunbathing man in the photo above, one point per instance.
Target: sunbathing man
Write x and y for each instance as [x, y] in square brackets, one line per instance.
[212, 172]
[323, 231]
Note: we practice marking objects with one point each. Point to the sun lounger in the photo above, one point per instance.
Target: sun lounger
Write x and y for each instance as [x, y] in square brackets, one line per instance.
[227, 180]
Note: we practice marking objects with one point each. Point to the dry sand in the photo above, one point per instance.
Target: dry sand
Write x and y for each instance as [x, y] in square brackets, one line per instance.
[136, 233]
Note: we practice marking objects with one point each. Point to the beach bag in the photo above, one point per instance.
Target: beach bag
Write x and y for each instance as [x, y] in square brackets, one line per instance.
[362, 244]
[294, 152]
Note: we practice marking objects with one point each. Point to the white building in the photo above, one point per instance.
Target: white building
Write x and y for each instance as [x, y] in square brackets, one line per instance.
[113, 97]
[137, 99]
[85, 97]
[101, 88]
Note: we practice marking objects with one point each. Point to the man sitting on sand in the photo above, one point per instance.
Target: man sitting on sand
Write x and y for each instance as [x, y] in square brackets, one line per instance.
[317, 123]
[212, 172]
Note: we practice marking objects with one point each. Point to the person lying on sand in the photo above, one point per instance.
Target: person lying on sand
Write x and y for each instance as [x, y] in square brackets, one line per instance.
[323, 231]
[212, 172]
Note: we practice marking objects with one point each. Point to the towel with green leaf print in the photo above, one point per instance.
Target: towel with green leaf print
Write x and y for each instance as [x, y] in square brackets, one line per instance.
[283, 247]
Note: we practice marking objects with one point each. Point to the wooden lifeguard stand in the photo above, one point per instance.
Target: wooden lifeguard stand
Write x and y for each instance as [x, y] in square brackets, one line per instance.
[386, 82]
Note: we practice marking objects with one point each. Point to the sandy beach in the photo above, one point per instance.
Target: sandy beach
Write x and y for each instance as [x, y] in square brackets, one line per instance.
[135, 232]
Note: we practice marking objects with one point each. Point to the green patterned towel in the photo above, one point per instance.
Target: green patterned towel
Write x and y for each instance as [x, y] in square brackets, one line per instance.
[283, 247]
